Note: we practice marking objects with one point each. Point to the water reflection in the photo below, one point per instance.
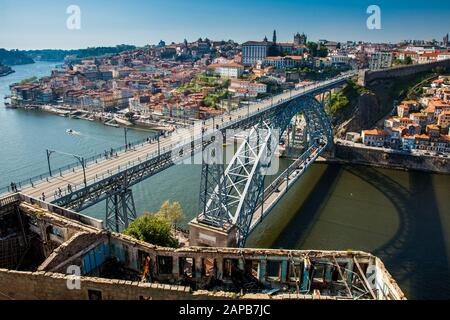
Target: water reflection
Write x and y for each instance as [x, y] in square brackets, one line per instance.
[402, 217]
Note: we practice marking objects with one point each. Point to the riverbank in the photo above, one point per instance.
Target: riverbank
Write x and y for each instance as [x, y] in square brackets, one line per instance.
[389, 159]
[5, 71]
[112, 119]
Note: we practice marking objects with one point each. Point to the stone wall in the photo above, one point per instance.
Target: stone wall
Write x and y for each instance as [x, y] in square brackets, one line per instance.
[361, 155]
[366, 76]
[53, 286]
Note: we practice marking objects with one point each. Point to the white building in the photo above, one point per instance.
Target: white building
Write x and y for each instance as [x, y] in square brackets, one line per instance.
[254, 51]
[284, 62]
[443, 56]
[243, 88]
[227, 70]
[339, 59]
[374, 138]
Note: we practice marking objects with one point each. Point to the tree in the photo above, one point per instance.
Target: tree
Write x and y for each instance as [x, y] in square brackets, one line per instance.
[172, 212]
[408, 60]
[312, 47]
[152, 228]
[322, 52]
[28, 80]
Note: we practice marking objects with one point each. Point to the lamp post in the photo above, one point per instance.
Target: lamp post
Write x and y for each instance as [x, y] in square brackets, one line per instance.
[79, 158]
[125, 130]
[159, 148]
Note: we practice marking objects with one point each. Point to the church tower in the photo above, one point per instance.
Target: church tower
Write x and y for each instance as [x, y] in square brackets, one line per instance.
[274, 40]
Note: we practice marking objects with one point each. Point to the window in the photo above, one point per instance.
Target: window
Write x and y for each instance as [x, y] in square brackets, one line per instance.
[273, 270]
[164, 264]
[94, 295]
[186, 266]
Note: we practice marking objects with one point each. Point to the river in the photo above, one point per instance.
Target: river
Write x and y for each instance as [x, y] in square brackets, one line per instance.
[402, 217]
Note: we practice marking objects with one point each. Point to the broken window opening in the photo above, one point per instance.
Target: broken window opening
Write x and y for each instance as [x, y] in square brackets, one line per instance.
[164, 264]
[273, 270]
[94, 294]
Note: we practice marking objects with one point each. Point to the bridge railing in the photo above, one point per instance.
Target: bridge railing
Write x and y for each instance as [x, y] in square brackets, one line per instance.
[60, 171]
[116, 151]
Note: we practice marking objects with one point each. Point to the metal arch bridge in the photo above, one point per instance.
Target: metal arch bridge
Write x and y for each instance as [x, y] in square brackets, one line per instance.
[236, 195]
[110, 179]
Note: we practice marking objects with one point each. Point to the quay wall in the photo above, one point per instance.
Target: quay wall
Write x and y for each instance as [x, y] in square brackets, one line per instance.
[392, 160]
[366, 76]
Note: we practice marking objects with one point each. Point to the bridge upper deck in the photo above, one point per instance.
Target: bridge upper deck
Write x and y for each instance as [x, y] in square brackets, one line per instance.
[104, 168]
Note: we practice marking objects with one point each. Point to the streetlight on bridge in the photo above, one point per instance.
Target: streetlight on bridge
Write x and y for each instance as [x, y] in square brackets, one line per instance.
[79, 158]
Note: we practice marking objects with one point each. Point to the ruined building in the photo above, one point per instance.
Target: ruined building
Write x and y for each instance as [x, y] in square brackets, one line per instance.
[47, 252]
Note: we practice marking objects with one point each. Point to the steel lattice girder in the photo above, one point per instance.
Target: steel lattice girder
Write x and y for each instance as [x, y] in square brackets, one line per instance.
[120, 210]
[239, 206]
[236, 190]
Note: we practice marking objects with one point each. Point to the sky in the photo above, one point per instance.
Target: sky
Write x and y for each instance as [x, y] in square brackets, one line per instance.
[41, 24]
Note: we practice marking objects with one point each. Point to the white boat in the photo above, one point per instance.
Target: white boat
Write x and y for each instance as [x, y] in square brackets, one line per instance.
[111, 124]
[123, 121]
[72, 132]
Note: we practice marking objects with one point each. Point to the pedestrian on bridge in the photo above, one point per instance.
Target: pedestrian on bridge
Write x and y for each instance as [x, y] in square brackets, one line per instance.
[59, 191]
[13, 187]
[43, 196]
[69, 188]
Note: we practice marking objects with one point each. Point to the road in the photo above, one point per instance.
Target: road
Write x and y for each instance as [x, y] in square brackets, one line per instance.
[281, 185]
[96, 171]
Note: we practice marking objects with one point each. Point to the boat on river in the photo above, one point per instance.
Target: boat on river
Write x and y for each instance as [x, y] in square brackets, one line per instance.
[72, 132]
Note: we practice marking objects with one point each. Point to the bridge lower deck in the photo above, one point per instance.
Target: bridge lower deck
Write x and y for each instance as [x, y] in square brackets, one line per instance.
[280, 186]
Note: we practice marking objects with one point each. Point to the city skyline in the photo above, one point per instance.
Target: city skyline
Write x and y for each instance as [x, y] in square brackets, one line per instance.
[42, 25]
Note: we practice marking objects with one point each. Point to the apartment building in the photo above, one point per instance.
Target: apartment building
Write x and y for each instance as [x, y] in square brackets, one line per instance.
[380, 60]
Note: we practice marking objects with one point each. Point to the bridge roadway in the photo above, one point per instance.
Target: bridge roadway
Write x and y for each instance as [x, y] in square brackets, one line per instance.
[281, 185]
[96, 171]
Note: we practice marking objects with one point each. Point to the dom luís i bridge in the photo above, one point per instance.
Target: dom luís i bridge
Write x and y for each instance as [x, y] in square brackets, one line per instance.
[233, 196]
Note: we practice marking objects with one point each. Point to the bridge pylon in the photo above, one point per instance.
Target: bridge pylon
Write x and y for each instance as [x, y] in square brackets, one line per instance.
[120, 210]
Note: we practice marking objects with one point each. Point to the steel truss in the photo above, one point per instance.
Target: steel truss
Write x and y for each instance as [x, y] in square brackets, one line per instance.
[120, 210]
[230, 196]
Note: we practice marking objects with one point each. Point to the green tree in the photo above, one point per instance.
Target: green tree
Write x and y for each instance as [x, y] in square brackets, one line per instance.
[312, 47]
[322, 52]
[28, 80]
[408, 60]
[172, 212]
[152, 228]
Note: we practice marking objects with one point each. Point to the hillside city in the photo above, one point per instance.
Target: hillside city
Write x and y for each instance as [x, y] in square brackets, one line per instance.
[179, 82]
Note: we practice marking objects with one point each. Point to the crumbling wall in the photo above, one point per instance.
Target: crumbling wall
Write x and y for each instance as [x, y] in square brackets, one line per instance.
[53, 286]
[71, 252]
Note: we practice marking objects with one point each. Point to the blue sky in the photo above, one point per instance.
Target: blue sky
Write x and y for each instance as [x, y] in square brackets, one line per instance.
[37, 24]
